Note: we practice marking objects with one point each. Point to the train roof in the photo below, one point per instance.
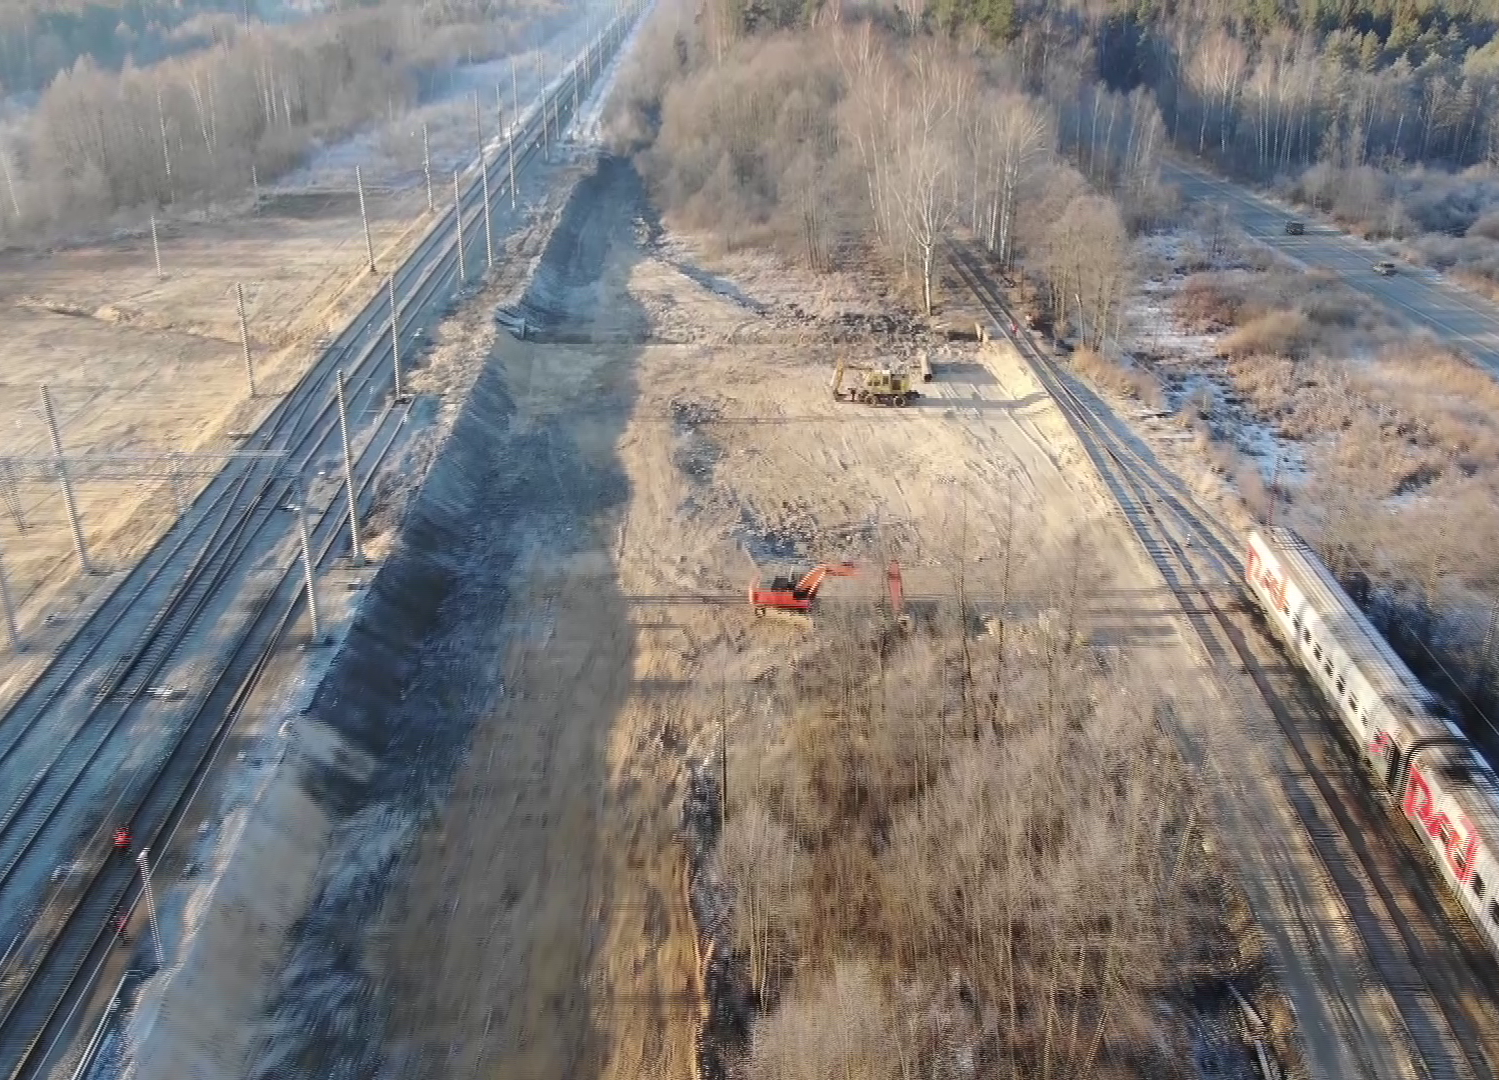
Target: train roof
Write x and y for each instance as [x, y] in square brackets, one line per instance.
[1366, 647]
[1392, 680]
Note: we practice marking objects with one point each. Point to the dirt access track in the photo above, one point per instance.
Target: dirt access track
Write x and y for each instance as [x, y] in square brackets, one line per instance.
[563, 625]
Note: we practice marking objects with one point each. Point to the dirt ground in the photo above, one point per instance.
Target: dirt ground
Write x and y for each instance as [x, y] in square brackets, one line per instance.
[543, 930]
[138, 364]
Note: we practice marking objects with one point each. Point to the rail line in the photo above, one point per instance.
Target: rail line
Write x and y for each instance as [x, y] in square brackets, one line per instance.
[197, 577]
[1427, 959]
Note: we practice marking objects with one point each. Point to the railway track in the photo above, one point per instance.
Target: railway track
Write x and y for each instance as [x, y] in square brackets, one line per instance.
[90, 743]
[1411, 946]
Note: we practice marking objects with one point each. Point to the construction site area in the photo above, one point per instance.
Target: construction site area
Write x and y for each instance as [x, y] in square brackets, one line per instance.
[653, 661]
[571, 664]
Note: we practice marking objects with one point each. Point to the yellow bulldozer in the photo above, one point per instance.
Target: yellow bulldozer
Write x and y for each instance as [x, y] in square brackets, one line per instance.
[876, 386]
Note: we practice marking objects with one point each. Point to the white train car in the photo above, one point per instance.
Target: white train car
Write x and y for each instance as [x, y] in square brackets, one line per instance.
[1444, 785]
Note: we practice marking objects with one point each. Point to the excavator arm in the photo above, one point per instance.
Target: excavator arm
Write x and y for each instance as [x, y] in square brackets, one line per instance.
[840, 370]
[812, 580]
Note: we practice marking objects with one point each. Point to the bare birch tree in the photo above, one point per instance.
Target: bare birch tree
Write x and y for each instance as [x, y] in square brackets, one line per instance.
[925, 182]
[1021, 137]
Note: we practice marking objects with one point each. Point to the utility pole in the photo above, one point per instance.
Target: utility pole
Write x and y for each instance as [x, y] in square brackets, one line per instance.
[307, 569]
[142, 860]
[1488, 642]
[427, 166]
[458, 222]
[179, 496]
[369, 245]
[255, 185]
[514, 95]
[723, 755]
[484, 173]
[511, 144]
[12, 624]
[356, 551]
[546, 136]
[166, 153]
[1274, 491]
[395, 338]
[156, 248]
[478, 126]
[244, 335]
[577, 78]
[10, 492]
[67, 485]
[488, 225]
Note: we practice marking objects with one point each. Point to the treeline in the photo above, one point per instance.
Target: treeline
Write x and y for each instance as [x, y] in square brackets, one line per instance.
[1265, 86]
[202, 126]
[39, 38]
[1274, 106]
[855, 136]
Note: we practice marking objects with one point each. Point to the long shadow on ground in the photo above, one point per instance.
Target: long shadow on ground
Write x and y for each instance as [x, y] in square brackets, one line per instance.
[420, 669]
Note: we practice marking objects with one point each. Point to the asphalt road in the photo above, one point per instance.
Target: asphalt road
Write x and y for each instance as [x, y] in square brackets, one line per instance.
[1421, 297]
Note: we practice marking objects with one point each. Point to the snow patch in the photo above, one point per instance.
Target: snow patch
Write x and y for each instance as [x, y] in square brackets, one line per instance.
[1192, 374]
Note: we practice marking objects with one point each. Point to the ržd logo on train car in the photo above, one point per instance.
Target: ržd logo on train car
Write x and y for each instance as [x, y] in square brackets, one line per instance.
[1257, 573]
[1421, 808]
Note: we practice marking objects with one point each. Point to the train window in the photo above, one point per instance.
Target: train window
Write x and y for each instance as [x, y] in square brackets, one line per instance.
[1327, 667]
[1297, 623]
[1306, 635]
[1353, 706]
[1477, 882]
[1494, 911]
[1341, 686]
[1317, 651]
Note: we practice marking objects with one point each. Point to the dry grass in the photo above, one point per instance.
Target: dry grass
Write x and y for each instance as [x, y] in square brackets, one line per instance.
[1205, 306]
[1131, 382]
[1283, 333]
[948, 844]
[1400, 440]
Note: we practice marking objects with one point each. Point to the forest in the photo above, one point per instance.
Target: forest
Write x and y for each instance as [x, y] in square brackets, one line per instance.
[244, 106]
[39, 38]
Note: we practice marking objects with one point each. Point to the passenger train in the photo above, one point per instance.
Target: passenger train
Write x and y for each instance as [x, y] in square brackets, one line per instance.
[1445, 787]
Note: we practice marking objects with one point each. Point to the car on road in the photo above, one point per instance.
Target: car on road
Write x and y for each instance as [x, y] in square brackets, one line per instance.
[1384, 267]
[1295, 228]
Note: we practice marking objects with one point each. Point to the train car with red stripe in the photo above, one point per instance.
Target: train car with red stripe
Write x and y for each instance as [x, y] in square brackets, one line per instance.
[1443, 784]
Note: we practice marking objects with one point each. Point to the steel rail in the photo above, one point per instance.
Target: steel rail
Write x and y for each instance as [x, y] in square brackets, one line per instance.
[433, 275]
[1424, 971]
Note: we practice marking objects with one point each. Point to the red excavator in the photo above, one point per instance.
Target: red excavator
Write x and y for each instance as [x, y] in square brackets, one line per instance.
[797, 596]
[784, 594]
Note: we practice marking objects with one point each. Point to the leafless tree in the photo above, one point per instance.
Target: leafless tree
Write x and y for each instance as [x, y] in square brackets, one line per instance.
[760, 859]
[1217, 71]
[1086, 260]
[924, 184]
[1020, 137]
[839, 1029]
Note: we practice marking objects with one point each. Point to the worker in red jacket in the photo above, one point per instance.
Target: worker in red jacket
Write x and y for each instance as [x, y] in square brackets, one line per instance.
[122, 840]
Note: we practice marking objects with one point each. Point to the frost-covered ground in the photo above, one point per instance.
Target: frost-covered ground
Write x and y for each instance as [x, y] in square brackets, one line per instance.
[1194, 377]
[390, 155]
